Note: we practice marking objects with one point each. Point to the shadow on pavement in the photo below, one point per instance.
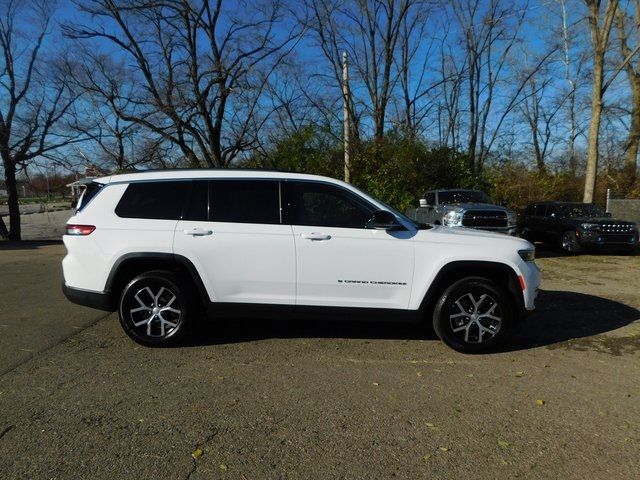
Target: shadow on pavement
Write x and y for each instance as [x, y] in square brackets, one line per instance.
[560, 317]
[27, 244]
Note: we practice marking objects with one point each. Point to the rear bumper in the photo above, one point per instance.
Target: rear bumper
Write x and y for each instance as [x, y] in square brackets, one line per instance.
[97, 300]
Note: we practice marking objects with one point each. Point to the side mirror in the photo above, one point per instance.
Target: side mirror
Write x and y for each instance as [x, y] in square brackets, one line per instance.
[384, 220]
[608, 214]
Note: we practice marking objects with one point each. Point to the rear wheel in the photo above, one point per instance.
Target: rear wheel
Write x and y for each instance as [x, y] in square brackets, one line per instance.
[473, 315]
[154, 309]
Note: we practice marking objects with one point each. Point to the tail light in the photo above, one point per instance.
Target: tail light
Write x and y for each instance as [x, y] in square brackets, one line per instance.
[80, 229]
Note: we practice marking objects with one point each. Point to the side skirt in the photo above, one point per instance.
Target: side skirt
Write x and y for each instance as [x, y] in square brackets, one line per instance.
[316, 313]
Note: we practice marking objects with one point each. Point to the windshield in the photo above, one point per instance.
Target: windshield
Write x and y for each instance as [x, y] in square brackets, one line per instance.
[463, 196]
[584, 210]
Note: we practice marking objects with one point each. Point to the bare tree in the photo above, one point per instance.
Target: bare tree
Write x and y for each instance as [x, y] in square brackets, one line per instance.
[633, 75]
[36, 97]
[600, 28]
[371, 32]
[202, 68]
[573, 63]
[489, 34]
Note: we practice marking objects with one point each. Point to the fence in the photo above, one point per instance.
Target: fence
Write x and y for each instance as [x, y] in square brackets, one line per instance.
[623, 208]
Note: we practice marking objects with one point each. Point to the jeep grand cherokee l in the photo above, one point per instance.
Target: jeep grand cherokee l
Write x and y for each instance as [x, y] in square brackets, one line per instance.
[160, 247]
[577, 226]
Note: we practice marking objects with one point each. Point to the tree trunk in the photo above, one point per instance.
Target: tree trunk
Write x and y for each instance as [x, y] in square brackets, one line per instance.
[542, 169]
[14, 208]
[631, 163]
[599, 41]
[594, 128]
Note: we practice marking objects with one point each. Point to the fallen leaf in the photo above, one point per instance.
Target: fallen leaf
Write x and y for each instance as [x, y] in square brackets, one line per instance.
[376, 384]
[197, 453]
[444, 449]
[540, 402]
[470, 375]
[419, 374]
[427, 457]
[223, 467]
[504, 444]
[431, 426]
[520, 373]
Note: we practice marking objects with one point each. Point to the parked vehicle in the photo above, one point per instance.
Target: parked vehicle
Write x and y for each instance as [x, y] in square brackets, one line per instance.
[163, 246]
[577, 226]
[463, 208]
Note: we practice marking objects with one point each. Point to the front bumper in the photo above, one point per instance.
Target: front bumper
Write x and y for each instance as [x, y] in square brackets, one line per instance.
[87, 298]
[597, 240]
[506, 230]
[531, 277]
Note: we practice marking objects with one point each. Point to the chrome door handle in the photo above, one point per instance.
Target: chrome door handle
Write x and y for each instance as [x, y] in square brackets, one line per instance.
[197, 232]
[316, 236]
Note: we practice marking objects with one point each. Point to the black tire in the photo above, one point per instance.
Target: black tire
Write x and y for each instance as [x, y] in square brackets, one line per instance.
[569, 243]
[457, 322]
[159, 315]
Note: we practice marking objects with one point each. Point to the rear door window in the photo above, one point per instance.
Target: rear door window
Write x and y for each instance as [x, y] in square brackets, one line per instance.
[154, 200]
[197, 208]
[245, 201]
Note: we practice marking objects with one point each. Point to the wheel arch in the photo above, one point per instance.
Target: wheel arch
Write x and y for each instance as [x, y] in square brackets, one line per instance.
[130, 265]
[500, 273]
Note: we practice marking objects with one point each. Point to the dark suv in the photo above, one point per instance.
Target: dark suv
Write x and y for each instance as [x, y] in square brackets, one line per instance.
[576, 227]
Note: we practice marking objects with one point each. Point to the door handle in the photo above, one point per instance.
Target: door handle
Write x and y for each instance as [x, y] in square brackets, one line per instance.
[197, 232]
[316, 236]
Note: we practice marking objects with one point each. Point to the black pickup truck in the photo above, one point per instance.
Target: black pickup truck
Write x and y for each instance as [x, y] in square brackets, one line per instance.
[576, 227]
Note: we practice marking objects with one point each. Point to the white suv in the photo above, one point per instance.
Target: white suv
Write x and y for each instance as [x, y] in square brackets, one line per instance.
[166, 247]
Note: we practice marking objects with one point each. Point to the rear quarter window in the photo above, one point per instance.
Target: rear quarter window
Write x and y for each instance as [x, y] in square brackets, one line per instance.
[90, 192]
[154, 200]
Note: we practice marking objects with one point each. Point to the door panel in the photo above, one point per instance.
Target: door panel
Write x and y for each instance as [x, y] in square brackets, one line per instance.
[353, 267]
[236, 241]
[339, 260]
[250, 263]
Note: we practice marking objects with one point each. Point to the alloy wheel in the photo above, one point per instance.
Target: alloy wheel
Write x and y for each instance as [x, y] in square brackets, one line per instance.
[475, 318]
[155, 312]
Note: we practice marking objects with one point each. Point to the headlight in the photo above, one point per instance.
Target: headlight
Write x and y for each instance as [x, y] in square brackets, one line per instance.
[590, 226]
[511, 219]
[527, 255]
[452, 219]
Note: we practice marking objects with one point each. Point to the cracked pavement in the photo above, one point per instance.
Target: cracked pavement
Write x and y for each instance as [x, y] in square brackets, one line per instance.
[255, 399]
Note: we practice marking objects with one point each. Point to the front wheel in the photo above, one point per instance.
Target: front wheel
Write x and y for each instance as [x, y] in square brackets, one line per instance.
[570, 243]
[153, 309]
[473, 315]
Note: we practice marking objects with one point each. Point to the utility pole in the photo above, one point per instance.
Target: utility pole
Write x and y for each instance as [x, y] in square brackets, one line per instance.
[346, 117]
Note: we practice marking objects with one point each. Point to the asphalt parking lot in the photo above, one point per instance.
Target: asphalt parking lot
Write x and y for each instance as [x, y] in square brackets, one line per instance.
[257, 399]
